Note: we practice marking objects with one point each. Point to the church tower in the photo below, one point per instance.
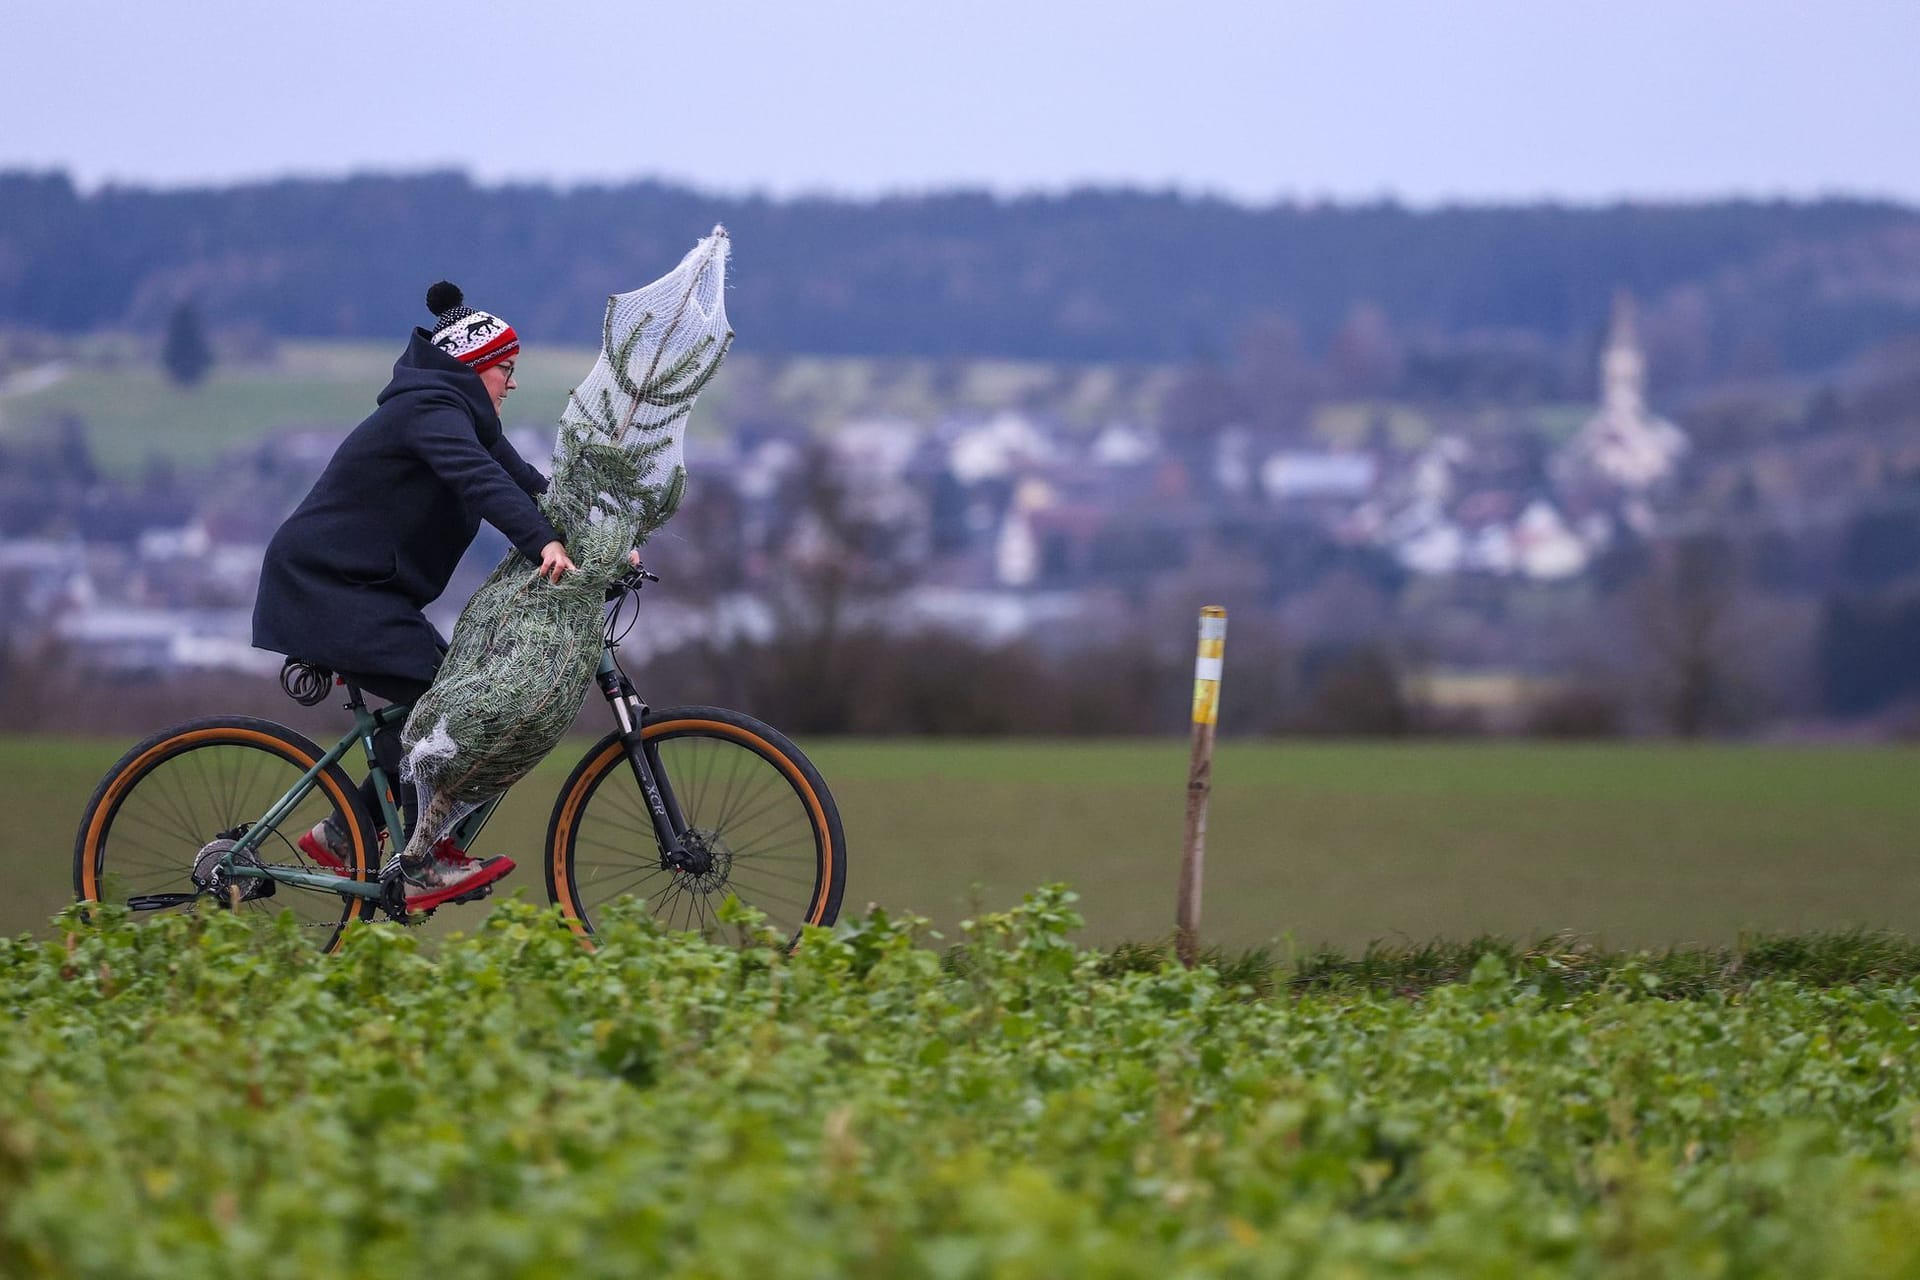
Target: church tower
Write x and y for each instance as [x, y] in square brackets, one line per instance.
[1624, 444]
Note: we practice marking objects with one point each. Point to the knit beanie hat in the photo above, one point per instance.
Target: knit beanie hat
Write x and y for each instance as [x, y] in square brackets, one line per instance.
[475, 338]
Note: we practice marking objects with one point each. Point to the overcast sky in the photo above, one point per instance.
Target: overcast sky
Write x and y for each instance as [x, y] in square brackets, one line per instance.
[1473, 100]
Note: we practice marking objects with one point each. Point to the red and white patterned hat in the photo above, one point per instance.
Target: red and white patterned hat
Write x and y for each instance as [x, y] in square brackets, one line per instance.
[475, 338]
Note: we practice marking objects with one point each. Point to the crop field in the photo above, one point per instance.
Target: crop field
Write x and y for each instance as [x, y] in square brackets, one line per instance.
[203, 1097]
[1308, 844]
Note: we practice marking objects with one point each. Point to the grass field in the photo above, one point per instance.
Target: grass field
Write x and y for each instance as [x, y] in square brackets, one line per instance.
[1308, 843]
[133, 412]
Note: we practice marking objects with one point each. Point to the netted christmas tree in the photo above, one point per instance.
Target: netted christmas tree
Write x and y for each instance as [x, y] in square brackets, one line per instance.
[525, 649]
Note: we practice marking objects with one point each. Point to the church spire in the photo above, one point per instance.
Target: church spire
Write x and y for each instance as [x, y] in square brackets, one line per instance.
[1623, 369]
[1623, 443]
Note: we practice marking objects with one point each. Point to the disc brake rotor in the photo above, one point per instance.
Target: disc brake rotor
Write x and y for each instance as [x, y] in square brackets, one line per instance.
[719, 854]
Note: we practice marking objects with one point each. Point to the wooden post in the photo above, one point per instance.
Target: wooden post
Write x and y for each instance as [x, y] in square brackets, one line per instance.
[1206, 712]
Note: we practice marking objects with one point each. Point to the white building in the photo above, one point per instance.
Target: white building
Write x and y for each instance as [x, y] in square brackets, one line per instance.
[1544, 547]
[1625, 444]
[997, 448]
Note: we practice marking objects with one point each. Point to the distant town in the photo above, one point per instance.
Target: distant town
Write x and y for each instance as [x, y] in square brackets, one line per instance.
[1480, 566]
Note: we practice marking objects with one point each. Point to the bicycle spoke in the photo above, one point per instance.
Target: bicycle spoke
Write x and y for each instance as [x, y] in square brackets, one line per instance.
[747, 797]
[175, 849]
[802, 886]
[597, 867]
[152, 873]
[732, 776]
[706, 779]
[246, 782]
[169, 834]
[623, 796]
[770, 805]
[204, 760]
[775, 907]
[778, 850]
[161, 796]
[775, 853]
[669, 900]
[628, 803]
[626, 882]
[805, 881]
[653, 852]
[597, 884]
[180, 853]
[232, 774]
[728, 803]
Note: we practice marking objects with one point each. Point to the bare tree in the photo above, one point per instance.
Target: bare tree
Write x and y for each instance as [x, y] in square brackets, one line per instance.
[829, 574]
[1684, 612]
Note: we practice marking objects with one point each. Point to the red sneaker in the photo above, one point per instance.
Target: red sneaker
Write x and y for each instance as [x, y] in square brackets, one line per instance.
[450, 876]
[451, 857]
[327, 846]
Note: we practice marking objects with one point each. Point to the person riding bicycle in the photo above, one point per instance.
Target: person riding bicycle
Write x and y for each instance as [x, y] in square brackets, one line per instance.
[378, 536]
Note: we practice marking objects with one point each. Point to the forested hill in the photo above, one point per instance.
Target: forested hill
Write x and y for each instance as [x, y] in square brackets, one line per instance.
[1087, 275]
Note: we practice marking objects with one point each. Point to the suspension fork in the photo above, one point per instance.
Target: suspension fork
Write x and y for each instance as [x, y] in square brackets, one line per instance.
[669, 825]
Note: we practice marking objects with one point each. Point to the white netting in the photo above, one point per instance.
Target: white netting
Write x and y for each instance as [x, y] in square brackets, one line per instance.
[525, 649]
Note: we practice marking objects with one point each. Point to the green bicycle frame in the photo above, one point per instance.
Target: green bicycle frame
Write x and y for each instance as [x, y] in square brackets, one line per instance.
[365, 724]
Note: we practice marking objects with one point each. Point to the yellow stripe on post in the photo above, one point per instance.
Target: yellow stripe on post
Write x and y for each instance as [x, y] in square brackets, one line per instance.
[1208, 664]
[1207, 667]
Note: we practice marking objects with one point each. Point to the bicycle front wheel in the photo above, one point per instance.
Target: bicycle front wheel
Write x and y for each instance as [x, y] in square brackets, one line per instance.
[756, 805]
[187, 787]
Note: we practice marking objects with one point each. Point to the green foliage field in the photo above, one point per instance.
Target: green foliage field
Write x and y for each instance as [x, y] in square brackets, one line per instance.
[206, 1099]
[1308, 843]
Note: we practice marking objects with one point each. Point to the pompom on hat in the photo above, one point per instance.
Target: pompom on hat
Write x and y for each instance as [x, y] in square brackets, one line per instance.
[476, 339]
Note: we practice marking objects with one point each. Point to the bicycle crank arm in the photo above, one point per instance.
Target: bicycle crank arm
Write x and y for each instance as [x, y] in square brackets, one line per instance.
[159, 901]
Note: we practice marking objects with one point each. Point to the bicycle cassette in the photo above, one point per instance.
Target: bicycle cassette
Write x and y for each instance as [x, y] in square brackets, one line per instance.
[210, 875]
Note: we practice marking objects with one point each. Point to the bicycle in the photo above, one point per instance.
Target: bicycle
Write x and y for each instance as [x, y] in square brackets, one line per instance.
[713, 800]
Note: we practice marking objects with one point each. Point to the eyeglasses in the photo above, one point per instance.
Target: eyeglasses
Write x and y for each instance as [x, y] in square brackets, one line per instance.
[506, 367]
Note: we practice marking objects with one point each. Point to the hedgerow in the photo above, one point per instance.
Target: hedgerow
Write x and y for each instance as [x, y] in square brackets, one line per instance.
[198, 1097]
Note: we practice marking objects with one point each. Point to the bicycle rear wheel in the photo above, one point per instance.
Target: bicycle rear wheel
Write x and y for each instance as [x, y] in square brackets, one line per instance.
[753, 801]
[195, 783]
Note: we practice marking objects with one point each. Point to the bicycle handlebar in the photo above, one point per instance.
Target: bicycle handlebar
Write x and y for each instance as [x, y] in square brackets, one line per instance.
[630, 581]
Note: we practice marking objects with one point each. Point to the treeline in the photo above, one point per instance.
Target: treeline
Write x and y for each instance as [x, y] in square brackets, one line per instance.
[1727, 287]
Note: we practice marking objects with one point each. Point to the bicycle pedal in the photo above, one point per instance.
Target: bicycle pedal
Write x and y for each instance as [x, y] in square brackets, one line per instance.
[484, 891]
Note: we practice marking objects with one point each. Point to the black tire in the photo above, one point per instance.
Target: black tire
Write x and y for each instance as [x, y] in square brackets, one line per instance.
[182, 787]
[763, 807]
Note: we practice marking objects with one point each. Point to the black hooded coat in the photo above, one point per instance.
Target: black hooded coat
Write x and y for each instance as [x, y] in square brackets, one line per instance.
[377, 538]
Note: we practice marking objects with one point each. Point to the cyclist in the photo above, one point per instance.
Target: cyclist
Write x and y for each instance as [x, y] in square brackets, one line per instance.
[376, 539]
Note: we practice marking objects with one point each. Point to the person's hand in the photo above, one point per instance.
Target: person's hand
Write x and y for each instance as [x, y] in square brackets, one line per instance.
[633, 557]
[554, 562]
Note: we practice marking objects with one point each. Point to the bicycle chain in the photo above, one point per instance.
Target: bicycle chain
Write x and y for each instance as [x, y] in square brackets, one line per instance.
[406, 919]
